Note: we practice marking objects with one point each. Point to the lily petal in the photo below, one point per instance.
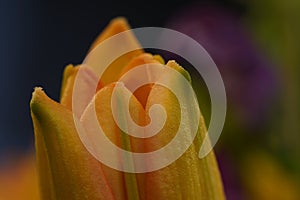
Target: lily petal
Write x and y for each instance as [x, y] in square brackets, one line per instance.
[66, 169]
[86, 79]
[188, 177]
[69, 71]
[145, 58]
[116, 26]
[124, 185]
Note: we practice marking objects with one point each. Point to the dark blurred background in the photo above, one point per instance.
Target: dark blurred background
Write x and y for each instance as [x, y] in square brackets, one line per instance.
[254, 44]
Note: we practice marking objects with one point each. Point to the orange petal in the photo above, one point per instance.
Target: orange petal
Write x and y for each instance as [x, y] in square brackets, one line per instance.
[116, 26]
[188, 177]
[145, 58]
[86, 80]
[69, 71]
[124, 185]
[66, 169]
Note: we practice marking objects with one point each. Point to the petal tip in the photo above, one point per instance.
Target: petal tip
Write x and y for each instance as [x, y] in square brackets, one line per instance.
[120, 21]
[37, 92]
[173, 64]
[40, 103]
[37, 95]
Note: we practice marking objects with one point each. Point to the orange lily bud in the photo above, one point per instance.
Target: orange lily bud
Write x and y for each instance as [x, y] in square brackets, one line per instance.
[67, 170]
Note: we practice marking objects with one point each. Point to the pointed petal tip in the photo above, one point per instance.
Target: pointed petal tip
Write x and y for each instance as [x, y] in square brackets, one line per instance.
[40, 103]
[115, 26]
[37, 92]
[120, 21]
[173, 64]
[36, 99]
[38, 95]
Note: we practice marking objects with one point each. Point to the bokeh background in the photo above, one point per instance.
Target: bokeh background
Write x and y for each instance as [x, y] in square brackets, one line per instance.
[255, 44]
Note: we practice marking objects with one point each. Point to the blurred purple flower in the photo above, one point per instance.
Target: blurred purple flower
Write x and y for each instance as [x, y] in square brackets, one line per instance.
[249, 77]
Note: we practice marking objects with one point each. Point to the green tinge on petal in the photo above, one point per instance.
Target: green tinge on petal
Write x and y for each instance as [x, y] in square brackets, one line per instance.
[172, 64]
[188, 177]
[130, 179]
[208, 166]
[124, 185]
[66, 169]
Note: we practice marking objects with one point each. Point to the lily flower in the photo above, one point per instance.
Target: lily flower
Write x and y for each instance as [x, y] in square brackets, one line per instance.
[67, 170]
